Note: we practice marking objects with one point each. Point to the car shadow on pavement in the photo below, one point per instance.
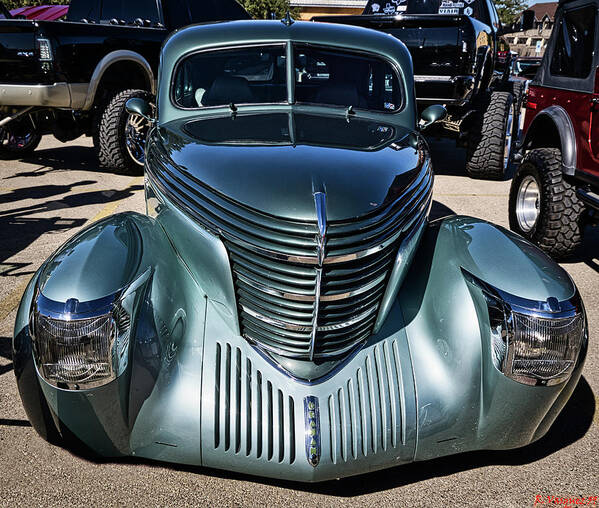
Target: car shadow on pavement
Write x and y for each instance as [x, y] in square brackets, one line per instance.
[6, 353]
[62, 158]
[18, 229]
[589, 252]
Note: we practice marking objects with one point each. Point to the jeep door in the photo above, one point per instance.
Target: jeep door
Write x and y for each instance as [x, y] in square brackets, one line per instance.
[568, 78]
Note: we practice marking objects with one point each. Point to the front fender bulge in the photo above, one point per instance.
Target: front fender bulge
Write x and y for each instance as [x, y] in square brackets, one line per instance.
[97, 262]
[125, 259]
[463, 401]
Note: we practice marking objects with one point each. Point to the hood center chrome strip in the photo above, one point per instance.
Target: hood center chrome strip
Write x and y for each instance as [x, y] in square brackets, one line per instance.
[320, 202]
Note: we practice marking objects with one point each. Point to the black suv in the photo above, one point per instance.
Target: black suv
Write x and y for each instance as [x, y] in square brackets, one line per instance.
[72, 78]
[460, 60]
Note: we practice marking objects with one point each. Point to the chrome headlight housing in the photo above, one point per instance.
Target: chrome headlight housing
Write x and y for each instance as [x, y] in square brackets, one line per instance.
[534, 343]
[82, 345]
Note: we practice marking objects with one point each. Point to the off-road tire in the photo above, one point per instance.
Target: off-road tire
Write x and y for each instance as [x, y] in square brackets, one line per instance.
[560, 224]
[111, 143]
[486, 143]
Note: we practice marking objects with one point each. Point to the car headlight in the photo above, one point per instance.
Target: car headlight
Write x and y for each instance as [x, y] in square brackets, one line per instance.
[82, 345]
[534, 343]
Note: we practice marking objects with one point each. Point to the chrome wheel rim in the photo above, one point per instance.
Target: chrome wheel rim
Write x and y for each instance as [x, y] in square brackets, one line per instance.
[136, 131]
[528, 203]
[10, 141]
[507, 148]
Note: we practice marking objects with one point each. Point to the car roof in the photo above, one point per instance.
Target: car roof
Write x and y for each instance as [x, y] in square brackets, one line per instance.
[196, 37]
[238, 33]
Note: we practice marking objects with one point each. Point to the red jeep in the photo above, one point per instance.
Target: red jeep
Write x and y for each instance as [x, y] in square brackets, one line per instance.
[555, 191]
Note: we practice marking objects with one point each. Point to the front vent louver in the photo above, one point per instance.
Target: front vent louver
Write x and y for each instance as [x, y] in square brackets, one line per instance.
[277, 271]
[251, 417]
[367, 413]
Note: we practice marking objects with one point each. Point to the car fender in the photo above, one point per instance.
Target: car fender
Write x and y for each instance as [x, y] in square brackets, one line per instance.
[110, 59]
[463, 401]
[560, 119]
[103, 259]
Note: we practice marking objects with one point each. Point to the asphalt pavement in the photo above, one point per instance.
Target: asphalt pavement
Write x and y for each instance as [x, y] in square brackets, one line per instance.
[47, 198]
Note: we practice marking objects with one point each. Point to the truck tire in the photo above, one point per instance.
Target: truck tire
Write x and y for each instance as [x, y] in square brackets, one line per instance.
[490, 140]
[18, 139]
[121, 136]
[544, 206]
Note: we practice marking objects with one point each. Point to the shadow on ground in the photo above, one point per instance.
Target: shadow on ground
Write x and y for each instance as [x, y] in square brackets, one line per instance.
[19, 228]
[62, 158]
[589, 252]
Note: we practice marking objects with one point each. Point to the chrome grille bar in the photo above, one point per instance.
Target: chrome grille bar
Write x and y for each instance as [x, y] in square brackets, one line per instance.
[305, 290]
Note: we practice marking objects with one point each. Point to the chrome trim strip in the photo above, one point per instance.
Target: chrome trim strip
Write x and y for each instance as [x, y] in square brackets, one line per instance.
[310, 298]
[321, 214]
[304, 356]
[420, 78]
[306, 328]
[315, 314]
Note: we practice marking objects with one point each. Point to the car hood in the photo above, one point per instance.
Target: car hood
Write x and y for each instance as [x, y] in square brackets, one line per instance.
[275, 163]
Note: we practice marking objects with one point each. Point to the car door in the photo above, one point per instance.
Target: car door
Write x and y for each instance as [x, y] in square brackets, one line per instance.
[572, 68]
[594, 121]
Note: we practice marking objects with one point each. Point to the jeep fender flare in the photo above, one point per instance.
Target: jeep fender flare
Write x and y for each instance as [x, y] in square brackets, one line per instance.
[560, 119]
[110, 59]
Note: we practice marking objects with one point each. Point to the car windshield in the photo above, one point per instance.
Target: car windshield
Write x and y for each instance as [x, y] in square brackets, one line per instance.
[473, 8]
[258, 75]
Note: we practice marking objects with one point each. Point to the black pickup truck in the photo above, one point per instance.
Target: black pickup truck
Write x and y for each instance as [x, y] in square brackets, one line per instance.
[74, 77]
[454, 47]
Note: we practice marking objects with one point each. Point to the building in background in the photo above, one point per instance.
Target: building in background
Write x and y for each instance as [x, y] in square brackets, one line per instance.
[310, 8]
[533, 42]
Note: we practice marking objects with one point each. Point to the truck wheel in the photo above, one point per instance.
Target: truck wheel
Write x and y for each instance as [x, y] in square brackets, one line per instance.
[544, 207]
[121, 136]
[490, 144]
[17, 139]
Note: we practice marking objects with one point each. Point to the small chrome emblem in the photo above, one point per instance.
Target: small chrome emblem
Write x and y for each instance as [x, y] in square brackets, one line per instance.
[312, 420]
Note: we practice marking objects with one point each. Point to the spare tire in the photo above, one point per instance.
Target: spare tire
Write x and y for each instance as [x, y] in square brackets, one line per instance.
[490, 138]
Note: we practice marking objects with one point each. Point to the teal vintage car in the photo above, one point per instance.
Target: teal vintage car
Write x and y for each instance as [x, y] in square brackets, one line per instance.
[285, 308]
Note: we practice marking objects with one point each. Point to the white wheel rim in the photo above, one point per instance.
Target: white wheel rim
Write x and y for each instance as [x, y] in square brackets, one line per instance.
[528, 203]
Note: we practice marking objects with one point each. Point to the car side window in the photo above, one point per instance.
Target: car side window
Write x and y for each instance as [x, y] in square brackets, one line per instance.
[249, 75]
[575, 43]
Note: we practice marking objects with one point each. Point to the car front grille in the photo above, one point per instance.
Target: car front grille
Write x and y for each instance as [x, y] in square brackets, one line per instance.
[291, 301]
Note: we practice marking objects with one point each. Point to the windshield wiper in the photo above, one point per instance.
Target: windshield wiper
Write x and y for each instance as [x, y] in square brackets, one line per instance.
[349, 112]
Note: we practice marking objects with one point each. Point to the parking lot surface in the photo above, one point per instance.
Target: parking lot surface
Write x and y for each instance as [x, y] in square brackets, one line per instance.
[47, 198]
